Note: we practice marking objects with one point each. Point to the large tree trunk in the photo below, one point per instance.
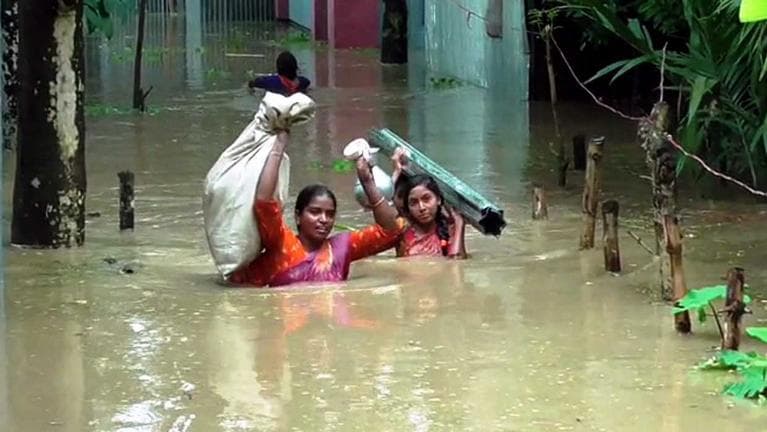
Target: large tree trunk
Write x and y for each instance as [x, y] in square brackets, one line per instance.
[394, 34]
[10, 14]
[49, 192]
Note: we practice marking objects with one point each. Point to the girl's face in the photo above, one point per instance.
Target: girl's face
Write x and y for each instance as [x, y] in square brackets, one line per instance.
[423, 205]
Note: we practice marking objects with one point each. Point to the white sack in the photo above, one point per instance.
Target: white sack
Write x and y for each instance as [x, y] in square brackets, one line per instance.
[230, 186]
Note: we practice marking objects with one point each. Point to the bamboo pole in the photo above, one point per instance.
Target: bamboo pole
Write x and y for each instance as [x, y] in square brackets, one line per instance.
[591, 191]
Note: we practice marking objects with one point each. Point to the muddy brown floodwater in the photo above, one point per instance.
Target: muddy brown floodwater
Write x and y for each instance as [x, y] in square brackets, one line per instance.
[132, 332]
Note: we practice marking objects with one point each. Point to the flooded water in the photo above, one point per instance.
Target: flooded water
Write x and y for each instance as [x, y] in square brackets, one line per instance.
[133, 333]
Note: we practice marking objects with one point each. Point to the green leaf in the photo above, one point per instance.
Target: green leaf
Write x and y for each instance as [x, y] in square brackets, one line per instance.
[726, 360]
[632, 64]
[700, 298]
[342, 166]
[700, 87]
[757, 333]
[702, 315]
[752, 385]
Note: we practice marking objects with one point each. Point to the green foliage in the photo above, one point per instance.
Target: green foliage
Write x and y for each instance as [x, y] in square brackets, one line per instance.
[722, 71]
[698, 300]
[99, 15]
[729, 360]
[214, 75]
[337, 166]
[441, 83]
[294, 39]
[102, 110]
[758, 333]
[753, 383]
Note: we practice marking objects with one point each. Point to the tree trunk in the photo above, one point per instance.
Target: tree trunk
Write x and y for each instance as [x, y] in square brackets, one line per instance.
[610, 236]
[591, 189]
[394, 32]
[139, 96]
[10, 19]
[734, 307]
[562, 161]
[50, 184]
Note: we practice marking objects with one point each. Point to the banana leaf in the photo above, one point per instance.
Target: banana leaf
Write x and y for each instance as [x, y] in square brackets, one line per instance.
[753, 10]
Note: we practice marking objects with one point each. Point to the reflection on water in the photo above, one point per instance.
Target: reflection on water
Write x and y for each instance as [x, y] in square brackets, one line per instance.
[529, 334]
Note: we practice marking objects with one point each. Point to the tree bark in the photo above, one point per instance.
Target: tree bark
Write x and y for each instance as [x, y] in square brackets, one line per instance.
[610, 236]
[139, 97]
[10, 20]
[50, 183]
[662, 166]
[394, 33]
[734, 308]
[540, 205]
[591, 189]
[562, 161]
[661, 160]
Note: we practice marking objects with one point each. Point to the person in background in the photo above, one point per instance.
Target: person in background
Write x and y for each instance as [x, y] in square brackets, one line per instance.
[286, 82]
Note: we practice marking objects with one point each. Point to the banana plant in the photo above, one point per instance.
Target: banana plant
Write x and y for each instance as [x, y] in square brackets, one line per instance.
[721, 74]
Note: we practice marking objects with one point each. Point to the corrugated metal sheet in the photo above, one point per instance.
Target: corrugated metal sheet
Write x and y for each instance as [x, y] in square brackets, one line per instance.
[456, 44]
[302, 13]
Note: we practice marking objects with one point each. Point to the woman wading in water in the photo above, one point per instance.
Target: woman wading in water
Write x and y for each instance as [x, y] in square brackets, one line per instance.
[312, 254]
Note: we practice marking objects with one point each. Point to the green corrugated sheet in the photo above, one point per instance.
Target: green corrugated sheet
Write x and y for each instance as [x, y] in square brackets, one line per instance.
[456, 45]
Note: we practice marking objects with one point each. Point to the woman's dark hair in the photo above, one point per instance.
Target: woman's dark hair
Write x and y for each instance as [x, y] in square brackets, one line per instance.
[443, 229]
[287, 65]
[310, 192]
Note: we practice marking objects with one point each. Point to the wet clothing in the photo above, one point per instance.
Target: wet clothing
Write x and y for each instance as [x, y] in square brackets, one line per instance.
[280, 84]
[413, 244]
[285, 261]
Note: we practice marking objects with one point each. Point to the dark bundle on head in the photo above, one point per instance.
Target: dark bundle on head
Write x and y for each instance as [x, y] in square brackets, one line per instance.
[440, 219]
[287, 65]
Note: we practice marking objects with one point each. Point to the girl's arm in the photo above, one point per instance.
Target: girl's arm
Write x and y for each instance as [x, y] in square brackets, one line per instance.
[383, 212]
[457, 246]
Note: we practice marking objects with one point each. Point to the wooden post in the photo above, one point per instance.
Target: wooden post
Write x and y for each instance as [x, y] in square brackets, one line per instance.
[661, 160]
[734, 308]
[591, 191]
[579, 152]
[126, 199]
[610, 236]
[540, 205]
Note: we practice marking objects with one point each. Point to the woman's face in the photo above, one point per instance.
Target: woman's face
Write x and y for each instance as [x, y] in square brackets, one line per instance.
[316, 220]
[423, 204]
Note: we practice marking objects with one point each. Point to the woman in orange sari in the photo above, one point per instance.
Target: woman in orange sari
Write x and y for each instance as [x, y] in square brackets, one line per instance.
[312, 254]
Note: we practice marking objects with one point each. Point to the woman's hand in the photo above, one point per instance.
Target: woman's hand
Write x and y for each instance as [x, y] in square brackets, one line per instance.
[398, 162]
[457, 218]
[364, 173]
[267, 184]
